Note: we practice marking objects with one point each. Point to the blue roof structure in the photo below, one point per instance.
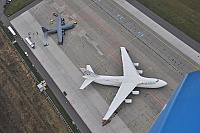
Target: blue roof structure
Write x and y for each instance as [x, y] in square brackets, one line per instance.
[182, 112]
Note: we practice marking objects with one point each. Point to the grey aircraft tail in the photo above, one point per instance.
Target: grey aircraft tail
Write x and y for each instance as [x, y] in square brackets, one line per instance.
[44, 31]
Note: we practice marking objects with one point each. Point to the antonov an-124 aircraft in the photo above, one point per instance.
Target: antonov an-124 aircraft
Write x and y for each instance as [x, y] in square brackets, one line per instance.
[126, 83]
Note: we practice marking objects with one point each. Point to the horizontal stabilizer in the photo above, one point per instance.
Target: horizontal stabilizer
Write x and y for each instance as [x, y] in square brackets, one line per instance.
[86, 83]
[45, 31]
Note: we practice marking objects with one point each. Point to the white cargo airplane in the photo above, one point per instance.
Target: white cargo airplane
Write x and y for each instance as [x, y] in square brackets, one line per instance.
[127, 83]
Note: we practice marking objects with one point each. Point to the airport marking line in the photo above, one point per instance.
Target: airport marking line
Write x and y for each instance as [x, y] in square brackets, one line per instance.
[85, 6]
[58, 3]
[118, 50]
[71, 40]
[109, 91]
[154, 117]
[156, 97]
[82, 18]
[41, 61]
[154, 35]
[72, 102]
[110, 33]
[148, 69]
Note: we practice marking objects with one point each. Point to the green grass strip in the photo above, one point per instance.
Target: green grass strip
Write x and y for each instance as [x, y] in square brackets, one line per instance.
[183, 14]
[15, 5]
[62, 111]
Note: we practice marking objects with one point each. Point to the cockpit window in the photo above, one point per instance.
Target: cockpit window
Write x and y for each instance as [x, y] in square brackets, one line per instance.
[157, 80]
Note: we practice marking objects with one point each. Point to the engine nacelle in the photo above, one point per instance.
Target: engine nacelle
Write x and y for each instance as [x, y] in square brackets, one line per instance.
[128, 100]
[135, 92]
[140, 71]
[136, 64]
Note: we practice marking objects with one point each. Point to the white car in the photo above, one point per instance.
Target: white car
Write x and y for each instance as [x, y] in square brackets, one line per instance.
[26, 53]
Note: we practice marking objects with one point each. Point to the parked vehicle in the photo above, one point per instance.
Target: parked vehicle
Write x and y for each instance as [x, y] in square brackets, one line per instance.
[12, 31]
[64, 93]
[28, 41]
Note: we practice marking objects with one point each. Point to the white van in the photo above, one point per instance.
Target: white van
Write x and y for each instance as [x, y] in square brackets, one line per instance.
[28, 41]
[12, 31]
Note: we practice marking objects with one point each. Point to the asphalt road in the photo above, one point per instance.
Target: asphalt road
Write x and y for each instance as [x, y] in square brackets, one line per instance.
[54, 88]
[186, 39]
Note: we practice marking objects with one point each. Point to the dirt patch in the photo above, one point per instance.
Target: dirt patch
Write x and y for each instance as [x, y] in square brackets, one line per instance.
[22, 108]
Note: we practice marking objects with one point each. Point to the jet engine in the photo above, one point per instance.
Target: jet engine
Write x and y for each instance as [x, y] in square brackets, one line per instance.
[135, 92]
[136, 64]
[140, 71]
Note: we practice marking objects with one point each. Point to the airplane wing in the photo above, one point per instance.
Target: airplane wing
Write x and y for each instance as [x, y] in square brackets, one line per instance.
[52, 31]
[124, 90]
[128, 67]
[59, 29]
[67, 27]
[60, 37]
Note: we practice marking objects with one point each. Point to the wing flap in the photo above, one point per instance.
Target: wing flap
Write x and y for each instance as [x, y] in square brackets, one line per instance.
[124, 90]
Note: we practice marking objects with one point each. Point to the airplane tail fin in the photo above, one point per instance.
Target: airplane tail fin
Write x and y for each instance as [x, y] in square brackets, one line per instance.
[89, 76]
[44, 31]
[88, 72]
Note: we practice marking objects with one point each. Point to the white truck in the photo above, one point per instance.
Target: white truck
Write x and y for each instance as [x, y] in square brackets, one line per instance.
[28, 41]
[12, 31]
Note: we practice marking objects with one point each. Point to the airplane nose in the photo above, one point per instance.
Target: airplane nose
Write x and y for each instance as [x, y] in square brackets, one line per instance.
[163, 83]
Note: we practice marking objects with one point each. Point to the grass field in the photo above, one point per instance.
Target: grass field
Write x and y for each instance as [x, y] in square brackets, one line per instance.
[10, 36]
[15, 6]
[11, 52]
[21, 52]
[22, 108]
[62, 111]
[183, 14]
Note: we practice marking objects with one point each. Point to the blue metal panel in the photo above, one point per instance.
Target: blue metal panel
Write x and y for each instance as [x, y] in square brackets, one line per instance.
[182, 112]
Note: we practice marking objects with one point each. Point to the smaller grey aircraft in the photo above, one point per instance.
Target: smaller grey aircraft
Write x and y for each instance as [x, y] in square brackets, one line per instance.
[60, 29]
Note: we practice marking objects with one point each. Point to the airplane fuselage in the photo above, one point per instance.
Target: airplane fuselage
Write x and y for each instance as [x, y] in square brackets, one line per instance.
[142, 81]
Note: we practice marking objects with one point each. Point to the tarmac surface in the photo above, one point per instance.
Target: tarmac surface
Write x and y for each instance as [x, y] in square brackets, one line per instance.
[104, 26]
